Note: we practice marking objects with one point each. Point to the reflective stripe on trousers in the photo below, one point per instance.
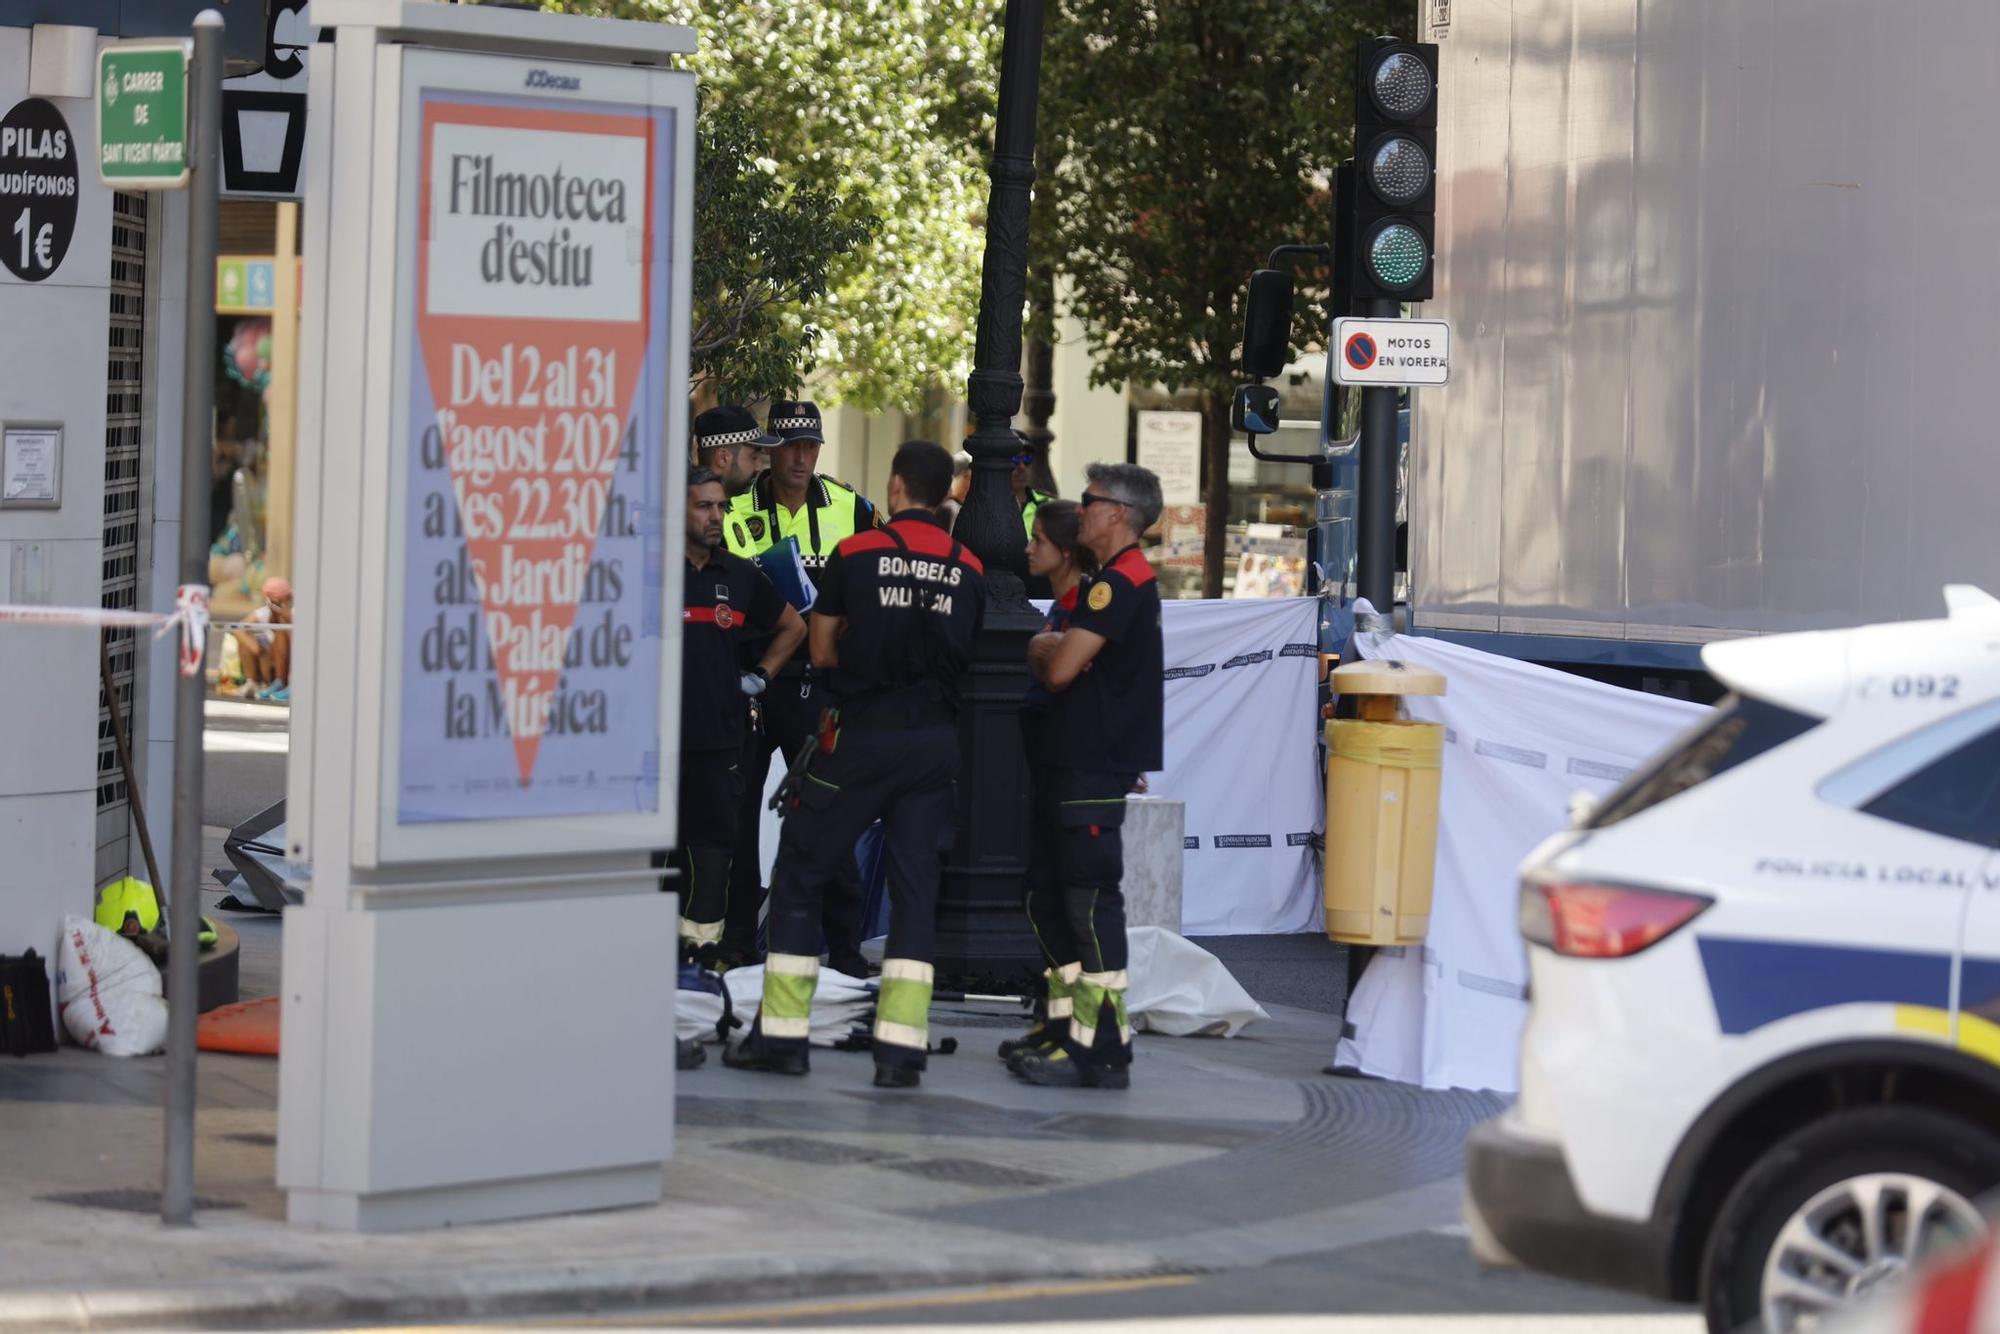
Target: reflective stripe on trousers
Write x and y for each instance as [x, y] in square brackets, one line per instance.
[789, 983]
[902, 1012]
[1090, 992]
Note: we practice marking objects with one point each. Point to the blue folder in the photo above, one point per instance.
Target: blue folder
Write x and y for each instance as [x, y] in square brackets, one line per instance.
[787, 569]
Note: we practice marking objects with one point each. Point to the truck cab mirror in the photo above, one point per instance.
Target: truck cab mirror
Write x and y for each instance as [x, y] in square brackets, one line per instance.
[1267, 323]
[1254, 409]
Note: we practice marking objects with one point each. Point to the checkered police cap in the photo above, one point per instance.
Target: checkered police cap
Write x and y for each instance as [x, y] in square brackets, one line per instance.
[730, 425]
[796, 419]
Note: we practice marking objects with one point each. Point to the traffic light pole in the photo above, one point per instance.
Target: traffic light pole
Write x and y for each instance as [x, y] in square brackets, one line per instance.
[1375, 540]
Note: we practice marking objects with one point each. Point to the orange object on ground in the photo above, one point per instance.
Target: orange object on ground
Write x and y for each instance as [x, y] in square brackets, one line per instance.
[249, 1028]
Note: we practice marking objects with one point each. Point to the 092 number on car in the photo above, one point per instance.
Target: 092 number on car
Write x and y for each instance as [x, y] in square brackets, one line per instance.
[1910, 687]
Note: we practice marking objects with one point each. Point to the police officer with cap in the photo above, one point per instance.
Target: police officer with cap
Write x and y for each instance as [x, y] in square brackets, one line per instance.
[792, 501]
[729, 443]
[893, 629]
[1027, 495]
[1104, 671]
[726, 600]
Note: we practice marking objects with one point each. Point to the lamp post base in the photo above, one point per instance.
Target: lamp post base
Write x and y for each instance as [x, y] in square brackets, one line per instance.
[984, 941]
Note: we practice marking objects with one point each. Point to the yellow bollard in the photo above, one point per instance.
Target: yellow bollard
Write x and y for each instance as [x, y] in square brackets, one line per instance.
[1382, 777]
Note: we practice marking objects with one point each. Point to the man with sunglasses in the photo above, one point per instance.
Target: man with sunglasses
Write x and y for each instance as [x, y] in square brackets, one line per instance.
[1028, 500]
[1104, 672]
[1026, 497]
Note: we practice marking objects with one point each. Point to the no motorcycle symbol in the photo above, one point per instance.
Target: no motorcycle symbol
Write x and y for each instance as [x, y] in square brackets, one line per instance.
[1359, 351]
[1392, 351]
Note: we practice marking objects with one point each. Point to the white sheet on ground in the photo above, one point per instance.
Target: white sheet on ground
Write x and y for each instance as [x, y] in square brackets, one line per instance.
[1176, 988]
[1180, 989]
[839, 1003]
[1520, 740]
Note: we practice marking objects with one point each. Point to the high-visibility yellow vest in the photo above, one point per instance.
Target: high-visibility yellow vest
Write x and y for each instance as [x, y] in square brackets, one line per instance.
[833, 512]
[1036, 499]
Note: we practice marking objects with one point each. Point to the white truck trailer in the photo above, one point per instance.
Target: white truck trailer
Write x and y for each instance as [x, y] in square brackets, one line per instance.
[1724, 285]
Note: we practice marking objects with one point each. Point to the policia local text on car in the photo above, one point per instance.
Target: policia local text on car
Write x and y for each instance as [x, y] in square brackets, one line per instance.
[892, 632]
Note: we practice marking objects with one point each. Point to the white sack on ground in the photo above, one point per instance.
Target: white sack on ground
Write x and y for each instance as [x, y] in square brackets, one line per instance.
[1242, 753]
[1519, 740]
[109, 992]
[1180, 989]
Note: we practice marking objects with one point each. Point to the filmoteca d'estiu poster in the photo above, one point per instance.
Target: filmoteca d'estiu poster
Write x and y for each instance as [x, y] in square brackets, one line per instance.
[534, 528]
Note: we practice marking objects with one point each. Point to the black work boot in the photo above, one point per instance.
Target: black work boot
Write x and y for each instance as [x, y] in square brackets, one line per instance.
[1038, 1038]
[1043, 1034]
[1058, 1069]
[689, 1054]
[752, 1054]
[889, 1076]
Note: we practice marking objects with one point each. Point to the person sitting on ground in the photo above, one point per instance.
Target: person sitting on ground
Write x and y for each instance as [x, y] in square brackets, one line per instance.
[266, 654]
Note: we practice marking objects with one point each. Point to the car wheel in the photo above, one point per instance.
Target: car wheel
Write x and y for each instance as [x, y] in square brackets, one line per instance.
[1840, 1208]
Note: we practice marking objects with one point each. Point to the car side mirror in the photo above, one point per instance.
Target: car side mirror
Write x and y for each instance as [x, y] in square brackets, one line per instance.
[1582, 805]
[1267, 323]
[1254, 409]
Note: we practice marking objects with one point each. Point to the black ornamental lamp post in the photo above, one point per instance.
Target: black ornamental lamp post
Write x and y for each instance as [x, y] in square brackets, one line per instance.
[984, 940]
[1038, 400]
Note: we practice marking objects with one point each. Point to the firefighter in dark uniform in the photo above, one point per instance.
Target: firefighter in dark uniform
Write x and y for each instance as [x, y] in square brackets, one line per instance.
[893, 630]
[729, 442]
[1057, 556]
[1104, 674]
[726, 599]
[792, 501]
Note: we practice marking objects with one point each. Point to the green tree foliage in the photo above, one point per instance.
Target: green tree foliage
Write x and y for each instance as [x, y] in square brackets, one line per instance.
[762, 255]
[873, 113]
[1181, 140]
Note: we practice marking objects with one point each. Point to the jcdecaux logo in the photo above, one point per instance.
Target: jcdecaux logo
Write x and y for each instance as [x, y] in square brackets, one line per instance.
[541, 78]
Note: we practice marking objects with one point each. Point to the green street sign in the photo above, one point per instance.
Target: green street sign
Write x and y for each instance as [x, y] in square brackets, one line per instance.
[142, 113]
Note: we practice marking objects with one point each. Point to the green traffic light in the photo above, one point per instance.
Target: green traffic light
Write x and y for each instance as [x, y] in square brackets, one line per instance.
[1398, 255]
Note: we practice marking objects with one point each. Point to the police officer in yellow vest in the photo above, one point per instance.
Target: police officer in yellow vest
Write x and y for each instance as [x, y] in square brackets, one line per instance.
[792, 501]
[1025, 494]
[1030, 501]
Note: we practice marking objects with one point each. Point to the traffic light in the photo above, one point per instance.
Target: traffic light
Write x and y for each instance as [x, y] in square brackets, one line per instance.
[1393, 185]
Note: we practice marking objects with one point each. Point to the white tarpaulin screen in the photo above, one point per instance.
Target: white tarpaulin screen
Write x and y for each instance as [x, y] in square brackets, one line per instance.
[1242, 750]
[1519, 740]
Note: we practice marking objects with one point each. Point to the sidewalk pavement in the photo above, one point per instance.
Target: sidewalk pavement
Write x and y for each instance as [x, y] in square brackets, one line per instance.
[1225, 1154]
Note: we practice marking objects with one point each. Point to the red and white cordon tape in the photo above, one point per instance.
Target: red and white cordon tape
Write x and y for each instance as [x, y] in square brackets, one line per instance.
[190, 616]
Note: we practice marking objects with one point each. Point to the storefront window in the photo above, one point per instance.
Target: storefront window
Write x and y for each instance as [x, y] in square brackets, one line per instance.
[1271, 505]
[240, 462]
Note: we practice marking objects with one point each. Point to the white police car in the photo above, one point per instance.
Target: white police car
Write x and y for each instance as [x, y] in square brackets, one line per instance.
[1762, 1062]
